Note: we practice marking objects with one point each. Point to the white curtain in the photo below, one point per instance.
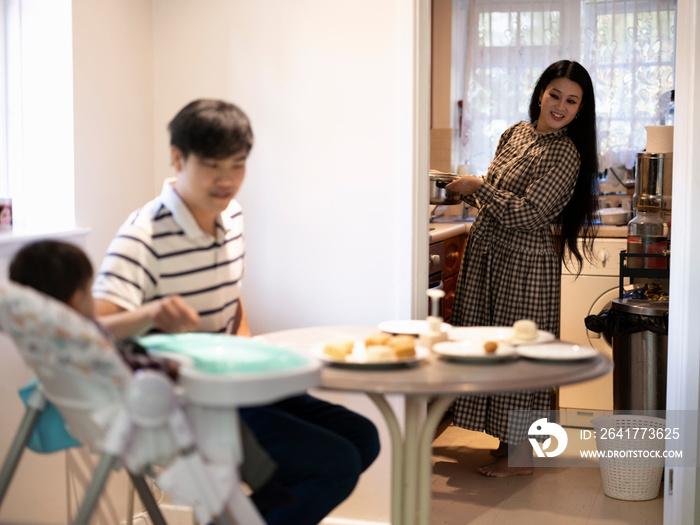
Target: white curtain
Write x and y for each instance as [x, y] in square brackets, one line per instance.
[626, 45]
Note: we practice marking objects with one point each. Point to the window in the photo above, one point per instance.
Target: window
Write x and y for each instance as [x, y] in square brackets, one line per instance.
[631, 61]
[626, 45]
[3, 102]
[36, 113]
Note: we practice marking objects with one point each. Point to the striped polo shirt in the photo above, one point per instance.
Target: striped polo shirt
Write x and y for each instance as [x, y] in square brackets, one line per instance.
[160, 250]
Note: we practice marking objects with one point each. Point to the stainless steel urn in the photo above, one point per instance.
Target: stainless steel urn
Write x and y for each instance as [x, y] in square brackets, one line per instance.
[653, 181]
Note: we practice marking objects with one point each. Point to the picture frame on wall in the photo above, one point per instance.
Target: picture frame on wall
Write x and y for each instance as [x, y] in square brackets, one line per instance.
[5, 214]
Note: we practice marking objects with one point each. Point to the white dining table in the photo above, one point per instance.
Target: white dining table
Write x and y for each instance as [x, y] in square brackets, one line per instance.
[429, 386]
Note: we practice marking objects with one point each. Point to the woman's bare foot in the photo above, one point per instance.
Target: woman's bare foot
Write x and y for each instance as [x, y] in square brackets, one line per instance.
[501, 451]
[522, 456]
[500, 469]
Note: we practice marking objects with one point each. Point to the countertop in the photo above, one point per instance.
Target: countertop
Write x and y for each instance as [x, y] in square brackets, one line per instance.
[619, 232]
[439, 231]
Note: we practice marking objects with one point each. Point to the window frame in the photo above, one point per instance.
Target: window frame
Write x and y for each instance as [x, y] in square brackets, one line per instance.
[38, 119]
[4, 150]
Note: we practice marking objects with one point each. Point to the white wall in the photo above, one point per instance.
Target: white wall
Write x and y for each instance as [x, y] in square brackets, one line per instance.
[327, 198]
[113, 112]
[329, 88]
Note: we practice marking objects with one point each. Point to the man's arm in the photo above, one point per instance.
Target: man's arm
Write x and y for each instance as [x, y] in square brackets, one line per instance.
[170, 315]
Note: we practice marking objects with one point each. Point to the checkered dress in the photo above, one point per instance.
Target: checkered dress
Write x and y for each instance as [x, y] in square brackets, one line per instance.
[510, 270]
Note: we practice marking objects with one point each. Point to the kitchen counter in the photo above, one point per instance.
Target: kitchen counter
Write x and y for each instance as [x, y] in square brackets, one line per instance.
[439, 231]
[605, 230]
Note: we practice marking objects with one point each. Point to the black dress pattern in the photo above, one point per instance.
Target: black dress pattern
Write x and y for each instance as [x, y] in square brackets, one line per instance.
[510, 269]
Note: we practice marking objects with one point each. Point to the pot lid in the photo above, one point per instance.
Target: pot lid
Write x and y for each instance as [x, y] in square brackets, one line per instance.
[640, 306]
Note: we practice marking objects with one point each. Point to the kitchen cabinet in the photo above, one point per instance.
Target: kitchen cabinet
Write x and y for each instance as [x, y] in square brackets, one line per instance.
[447, 239]
[454, 249]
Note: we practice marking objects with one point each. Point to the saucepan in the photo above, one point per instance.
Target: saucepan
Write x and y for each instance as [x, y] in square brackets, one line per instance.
[438, 193]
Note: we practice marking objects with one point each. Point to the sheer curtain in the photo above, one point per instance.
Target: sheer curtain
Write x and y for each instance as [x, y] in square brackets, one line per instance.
[626, 45]
[629, 50]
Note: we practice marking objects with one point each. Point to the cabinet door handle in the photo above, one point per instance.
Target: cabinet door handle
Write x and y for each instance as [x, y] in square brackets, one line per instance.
[434, 259]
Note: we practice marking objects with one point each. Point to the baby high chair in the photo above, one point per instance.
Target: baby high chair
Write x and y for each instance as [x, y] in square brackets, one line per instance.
[141, 419]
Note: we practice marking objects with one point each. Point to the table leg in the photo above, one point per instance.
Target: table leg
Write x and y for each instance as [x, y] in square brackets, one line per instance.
[396, 457]
[425, 451]
[415, 414]
[411, 456]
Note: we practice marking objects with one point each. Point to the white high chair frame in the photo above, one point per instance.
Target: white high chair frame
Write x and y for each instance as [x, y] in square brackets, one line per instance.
[35, 405]
[136, 420]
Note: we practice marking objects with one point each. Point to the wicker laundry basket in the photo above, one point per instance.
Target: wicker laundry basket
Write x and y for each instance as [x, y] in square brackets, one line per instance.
[628, 467]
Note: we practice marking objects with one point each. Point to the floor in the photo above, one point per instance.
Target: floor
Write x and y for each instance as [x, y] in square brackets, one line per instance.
[564, 495]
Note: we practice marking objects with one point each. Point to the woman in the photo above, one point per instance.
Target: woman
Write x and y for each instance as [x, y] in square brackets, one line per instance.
[542, 177]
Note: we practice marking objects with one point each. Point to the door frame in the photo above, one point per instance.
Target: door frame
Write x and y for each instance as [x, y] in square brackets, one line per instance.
[684, 310]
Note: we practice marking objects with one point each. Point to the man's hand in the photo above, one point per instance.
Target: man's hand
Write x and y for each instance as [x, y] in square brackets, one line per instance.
[173, 315]
[170, 315]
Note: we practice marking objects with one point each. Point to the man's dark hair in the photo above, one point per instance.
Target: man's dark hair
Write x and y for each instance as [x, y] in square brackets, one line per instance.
[212, 129]
[55, 268]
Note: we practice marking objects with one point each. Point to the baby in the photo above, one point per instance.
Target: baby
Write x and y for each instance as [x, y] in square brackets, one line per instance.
[64, 272]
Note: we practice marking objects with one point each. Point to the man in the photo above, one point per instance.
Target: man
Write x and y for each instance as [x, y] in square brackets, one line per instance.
[176, 265]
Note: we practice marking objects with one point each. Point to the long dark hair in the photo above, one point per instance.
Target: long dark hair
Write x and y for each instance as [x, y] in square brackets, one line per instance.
[578, 216]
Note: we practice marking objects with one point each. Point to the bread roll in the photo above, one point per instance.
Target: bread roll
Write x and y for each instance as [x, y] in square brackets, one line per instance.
[404, 346]
[379, 338]
[338, 349]
[525, 330]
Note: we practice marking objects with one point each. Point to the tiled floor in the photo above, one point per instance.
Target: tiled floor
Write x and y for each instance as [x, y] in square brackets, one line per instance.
[566, 495]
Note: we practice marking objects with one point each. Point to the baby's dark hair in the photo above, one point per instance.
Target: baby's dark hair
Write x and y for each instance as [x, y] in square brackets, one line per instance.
[211, 129]
[55, 268]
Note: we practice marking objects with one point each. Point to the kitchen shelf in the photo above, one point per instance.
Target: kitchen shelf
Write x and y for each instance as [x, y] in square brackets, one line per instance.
[649, 273]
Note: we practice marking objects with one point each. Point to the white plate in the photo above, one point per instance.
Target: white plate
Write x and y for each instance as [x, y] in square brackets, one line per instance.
[409, 327]
[473, 351]
[557, 352]
[358, 358]
[500, 334]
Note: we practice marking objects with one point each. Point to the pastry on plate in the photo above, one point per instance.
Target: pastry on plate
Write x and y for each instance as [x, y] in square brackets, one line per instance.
[338, 349]
[404, 346]
[380, 354]
[490, 347]
[379, 338]
[525, 330]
